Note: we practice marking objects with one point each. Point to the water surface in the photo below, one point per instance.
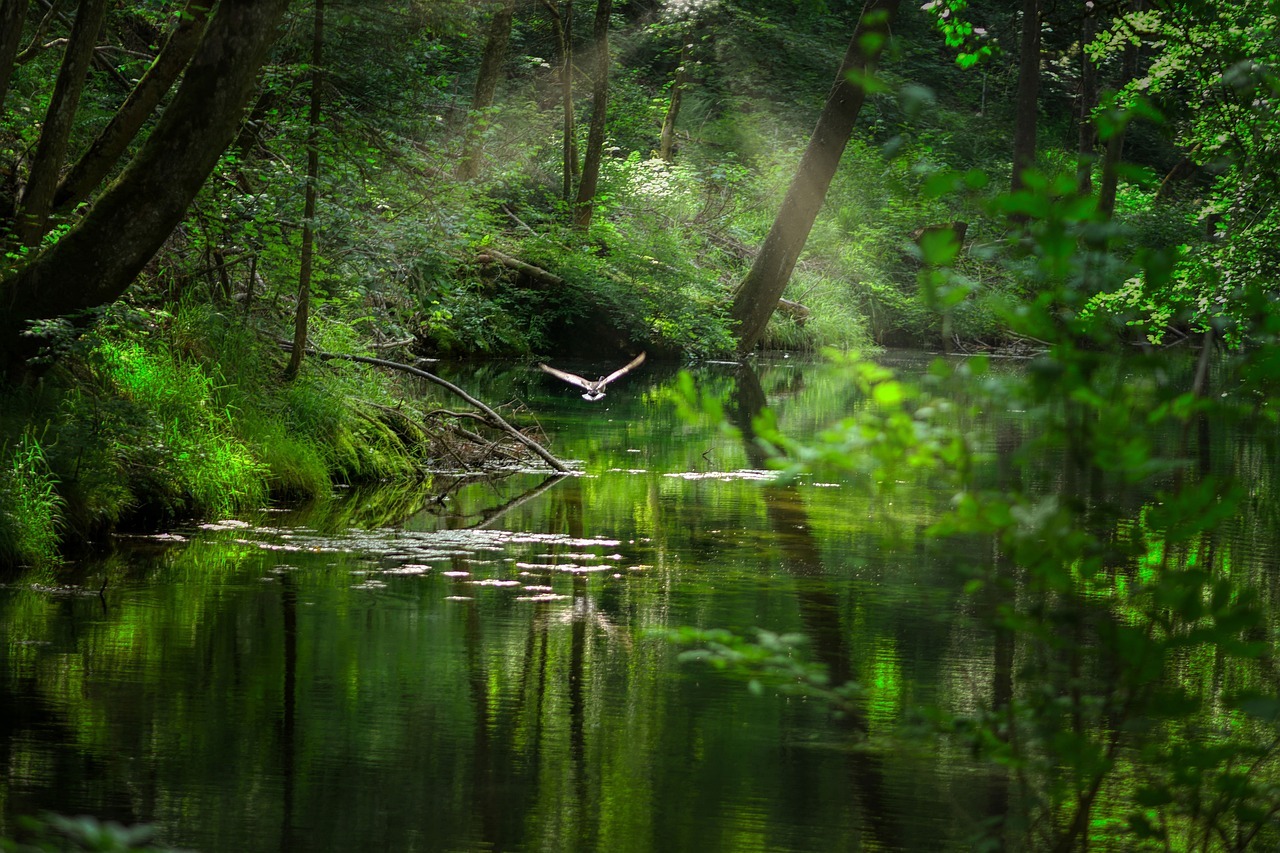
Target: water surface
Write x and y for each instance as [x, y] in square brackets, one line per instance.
[392, 671]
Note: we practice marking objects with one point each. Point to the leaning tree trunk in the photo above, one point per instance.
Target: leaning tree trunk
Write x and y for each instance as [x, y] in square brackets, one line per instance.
[12, 15]
[585, 207]
[495, 53]
[107, 149]
[667, 141]
[51, 148]
[309, 206]
[758, 295]
[101, 255]
[1027, 104]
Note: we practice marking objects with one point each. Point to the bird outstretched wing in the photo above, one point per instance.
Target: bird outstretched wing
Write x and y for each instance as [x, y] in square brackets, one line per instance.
[635, 362]
[568, 377]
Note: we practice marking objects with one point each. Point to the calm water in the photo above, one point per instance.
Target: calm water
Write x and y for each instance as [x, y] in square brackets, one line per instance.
[392, 672]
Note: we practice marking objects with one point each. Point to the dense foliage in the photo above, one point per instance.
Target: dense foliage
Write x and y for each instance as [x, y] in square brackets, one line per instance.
[1148, 221]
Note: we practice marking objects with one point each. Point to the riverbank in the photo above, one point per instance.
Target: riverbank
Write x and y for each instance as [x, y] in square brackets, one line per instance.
[154, 417]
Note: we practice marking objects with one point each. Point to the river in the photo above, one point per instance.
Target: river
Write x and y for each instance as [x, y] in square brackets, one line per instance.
[393, 670]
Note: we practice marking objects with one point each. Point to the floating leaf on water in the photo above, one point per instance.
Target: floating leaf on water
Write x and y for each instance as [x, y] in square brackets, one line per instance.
[226, 524]
[408, 569]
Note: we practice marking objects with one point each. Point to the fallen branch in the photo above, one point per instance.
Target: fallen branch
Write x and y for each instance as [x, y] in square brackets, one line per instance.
[518, 221]
[536, 273]
[794, 310]
[494, 417]
[393, 344]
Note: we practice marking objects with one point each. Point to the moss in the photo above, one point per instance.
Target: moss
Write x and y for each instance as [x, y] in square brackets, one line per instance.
[140, 423]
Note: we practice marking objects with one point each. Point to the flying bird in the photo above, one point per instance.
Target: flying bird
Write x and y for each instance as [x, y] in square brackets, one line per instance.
[594, 389]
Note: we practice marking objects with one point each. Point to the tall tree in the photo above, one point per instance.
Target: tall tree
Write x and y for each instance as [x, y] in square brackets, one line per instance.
[109, 146]
[1088, 101]
[303, 311]
[584, 209]
[1114, 130]
[685, 18]
[12, 15]
[495, 53]
[757, 296]
[51, 147]
[1027, 103]
[562, 20]
[93, 263]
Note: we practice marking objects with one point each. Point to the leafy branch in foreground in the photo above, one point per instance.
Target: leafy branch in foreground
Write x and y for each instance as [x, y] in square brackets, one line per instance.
[1130, 696]
[770, 661]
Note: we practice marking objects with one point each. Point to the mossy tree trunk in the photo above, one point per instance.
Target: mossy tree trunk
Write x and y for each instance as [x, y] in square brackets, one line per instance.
[93, 263]
[12, 15]
[51, 147]
[757, 296]
[1027, 100]
[303, 311]
[584, 208]
[109, 146]
[495, 54]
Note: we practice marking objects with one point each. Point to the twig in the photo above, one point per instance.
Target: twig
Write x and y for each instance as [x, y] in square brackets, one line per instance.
[517, 220]
[449, 413]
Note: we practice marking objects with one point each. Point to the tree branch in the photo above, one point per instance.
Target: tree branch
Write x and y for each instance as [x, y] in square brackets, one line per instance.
[448, 386]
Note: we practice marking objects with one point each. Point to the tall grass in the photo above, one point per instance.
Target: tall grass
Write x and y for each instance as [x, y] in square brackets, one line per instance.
[188, 452]
[31, 510]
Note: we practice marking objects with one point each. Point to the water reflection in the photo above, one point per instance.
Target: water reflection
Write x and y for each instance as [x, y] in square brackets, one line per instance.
[395, 671]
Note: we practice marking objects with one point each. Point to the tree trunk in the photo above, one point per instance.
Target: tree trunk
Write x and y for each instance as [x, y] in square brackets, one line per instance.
[309, 206]
[111, 143]
[1027, 105]
[1088, 101]
[12, 15]
[495, 53]
[566, 96]
[585, 206]
[758, 295]
[666, 144]
[51, 148]
[102, 254]
[1109, 182]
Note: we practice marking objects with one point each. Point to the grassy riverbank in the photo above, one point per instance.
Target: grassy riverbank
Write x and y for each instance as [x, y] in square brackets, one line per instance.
[157, 416]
